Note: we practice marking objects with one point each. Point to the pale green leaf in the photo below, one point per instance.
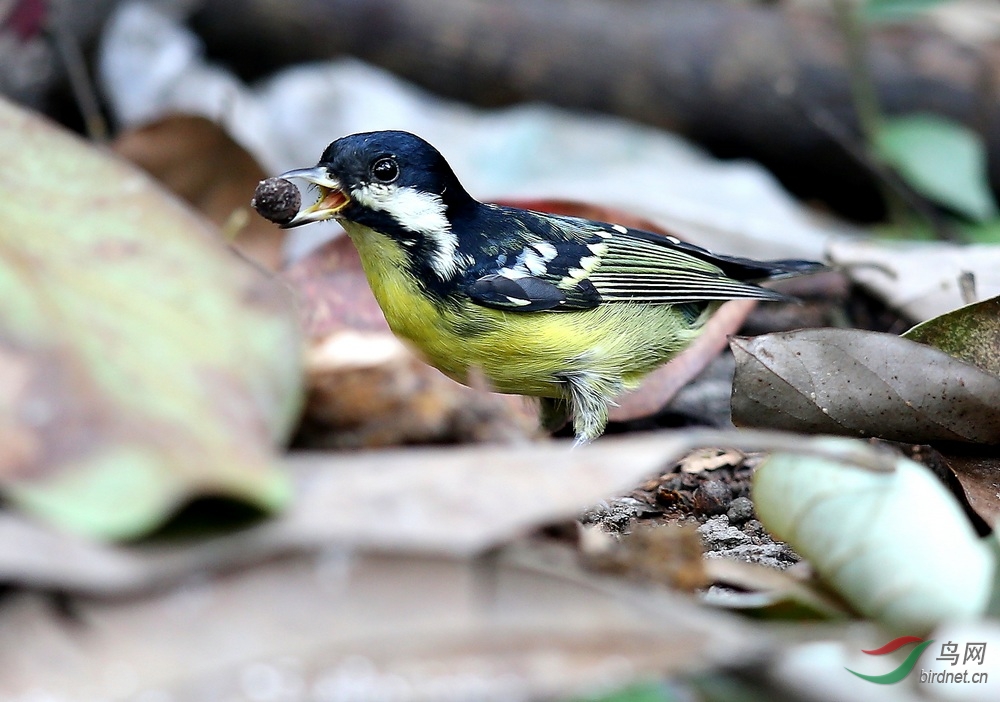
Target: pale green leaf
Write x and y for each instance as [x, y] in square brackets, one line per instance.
[895, 545]
[891, 10]
[942, 160]
[141, 362]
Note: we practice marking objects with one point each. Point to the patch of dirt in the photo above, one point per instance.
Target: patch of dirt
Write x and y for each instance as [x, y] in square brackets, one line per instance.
[709, 488]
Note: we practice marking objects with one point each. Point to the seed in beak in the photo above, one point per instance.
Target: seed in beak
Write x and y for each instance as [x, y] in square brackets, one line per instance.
[277, 200]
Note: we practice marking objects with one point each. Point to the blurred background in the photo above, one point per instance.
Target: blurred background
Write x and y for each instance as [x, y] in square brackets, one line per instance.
[864, 133]
[769, 81]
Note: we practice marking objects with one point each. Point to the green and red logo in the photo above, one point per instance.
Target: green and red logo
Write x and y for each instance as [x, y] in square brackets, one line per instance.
[904, 668]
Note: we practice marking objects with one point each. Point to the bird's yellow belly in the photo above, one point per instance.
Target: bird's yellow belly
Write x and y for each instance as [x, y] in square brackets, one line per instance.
[520, 352]
[526, 353]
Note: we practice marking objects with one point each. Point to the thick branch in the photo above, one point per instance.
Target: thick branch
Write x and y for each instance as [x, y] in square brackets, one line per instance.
[742, 79]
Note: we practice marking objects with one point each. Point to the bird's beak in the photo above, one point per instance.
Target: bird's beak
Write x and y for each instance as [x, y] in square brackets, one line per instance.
[330, 198]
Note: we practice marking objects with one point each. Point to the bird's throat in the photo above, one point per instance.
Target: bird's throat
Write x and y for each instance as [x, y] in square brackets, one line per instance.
[391, 276]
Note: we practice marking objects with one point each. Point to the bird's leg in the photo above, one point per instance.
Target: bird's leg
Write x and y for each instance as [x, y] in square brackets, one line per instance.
[588, 395]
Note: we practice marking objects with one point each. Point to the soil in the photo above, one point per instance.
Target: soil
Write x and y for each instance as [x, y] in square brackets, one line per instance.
[711, 489]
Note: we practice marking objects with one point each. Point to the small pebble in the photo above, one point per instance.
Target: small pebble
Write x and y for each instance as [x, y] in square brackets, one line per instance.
[740, 510]
[277, 200]
[712, 497]
[717, 534]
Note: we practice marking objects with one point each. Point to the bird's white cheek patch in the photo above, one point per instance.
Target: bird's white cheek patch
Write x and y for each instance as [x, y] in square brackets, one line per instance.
[421, 213]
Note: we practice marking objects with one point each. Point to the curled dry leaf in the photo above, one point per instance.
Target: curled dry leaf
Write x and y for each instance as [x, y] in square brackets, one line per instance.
[196, 159]
[978, 472]
[895, 545]
[845, 381]
[456, 501]
[141, 362]
[526, 624]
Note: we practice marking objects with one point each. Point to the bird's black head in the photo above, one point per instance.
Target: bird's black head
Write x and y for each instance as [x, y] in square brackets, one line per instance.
[385, 163]
[394, 183]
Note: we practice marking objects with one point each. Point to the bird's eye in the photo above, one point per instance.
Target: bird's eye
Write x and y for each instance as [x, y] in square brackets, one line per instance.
[385, 170]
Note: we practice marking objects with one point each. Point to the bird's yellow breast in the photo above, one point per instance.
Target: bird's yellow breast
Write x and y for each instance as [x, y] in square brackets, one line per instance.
[518, 352]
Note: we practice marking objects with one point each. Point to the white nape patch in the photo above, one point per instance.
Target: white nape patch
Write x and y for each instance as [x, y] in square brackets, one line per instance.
[619, 228]
[423, 213]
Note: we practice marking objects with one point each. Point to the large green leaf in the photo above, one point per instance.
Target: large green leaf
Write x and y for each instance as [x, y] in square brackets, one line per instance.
[940, 159]
[141, 362]
[894, 544]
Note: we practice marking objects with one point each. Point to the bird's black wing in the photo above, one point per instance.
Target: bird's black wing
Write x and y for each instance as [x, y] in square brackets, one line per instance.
[565, 263]
[640, 266]
[531, 294]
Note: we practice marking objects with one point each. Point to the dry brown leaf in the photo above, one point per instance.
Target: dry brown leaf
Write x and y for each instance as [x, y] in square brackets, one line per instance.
[668, 554]
[920, 280]
[710, 459]
[979, 475]
[333, 292]
[771, 591]
[345, 624]
[458, 501]
[200, 162]
[857, 383]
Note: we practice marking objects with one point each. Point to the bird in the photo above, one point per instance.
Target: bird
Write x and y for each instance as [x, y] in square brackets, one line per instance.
[568, 310]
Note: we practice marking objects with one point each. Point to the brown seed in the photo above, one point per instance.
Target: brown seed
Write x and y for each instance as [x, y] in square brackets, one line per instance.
[712, 497]
[277, 200]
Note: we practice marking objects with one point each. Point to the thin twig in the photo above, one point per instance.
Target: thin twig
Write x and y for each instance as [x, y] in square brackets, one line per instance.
[883, 174]
[68, 49]
[865, 96]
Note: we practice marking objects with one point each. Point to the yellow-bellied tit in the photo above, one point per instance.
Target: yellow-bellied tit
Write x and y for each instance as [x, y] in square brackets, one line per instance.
[568, 310]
